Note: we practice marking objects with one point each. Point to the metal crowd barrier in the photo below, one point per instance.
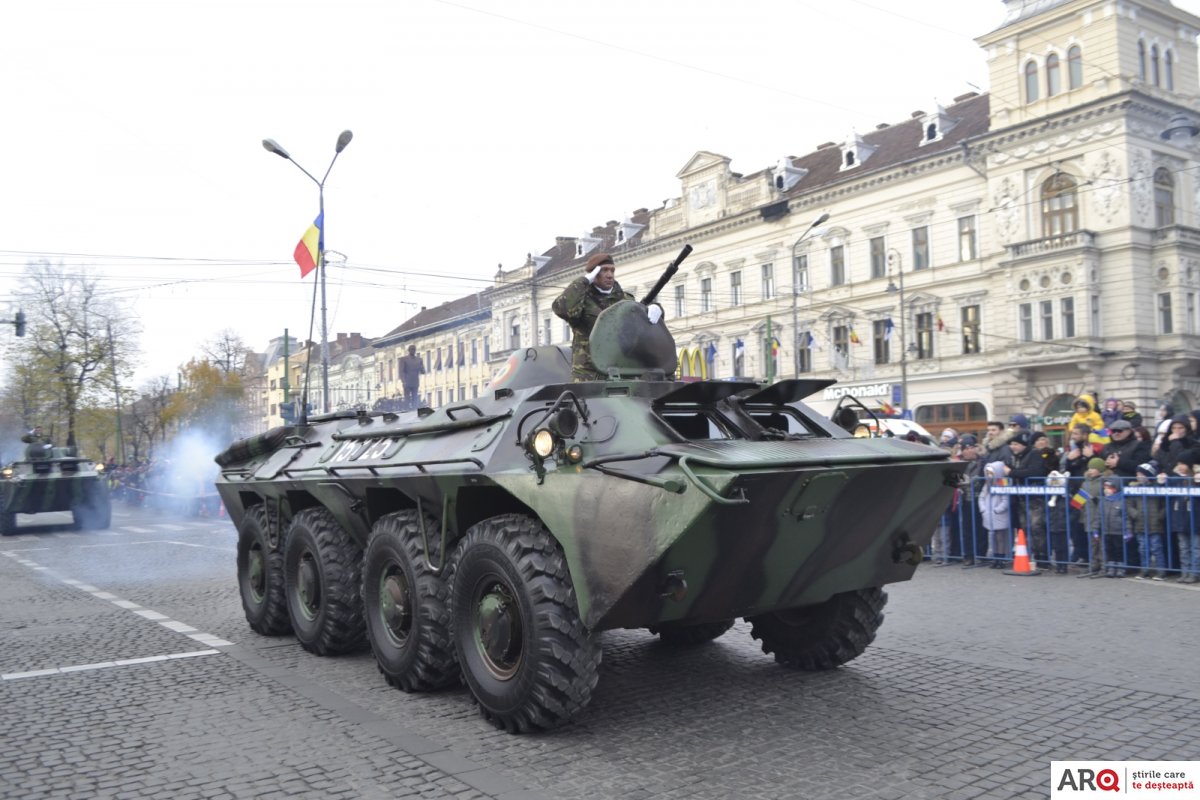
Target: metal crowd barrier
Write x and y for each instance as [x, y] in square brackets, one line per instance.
[1152, 528]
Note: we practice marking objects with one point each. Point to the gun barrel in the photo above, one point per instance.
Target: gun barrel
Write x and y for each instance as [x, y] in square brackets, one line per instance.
[667, 275]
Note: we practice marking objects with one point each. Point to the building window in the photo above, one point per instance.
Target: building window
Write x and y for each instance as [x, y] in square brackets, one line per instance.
[1164, 197]
[474, 390]
[925, 335]
[1059, 212]
[1142, 60]
[920, 248]
[1074, 67]
[881, 336]
[1053, 81]
[1067, 308]
[1031, 81]
[1154, 65]
[878, 257]
[768, 281]
[837, 265]
[799, 274]
[1025, 322]
[735, 288]
[462, 347]
[566, 331]
[1191, 312]
[841, 340]
[1046, 308]
[1095, 314]
[1164, 313]
[1169, 68]
[705, 294]
[514, 334]
[739, 358]
[970, 329]
[439, 397]
[679, 300]
[474, 351]
[966, 239]
[546, 327]
[804, 352]
[487, 350]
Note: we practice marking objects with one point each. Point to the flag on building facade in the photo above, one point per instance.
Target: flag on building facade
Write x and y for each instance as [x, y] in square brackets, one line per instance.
[888, 329]
[774, 347]
[941, 325]
[710, 353]
[854, 337]
[739, 348]
[308, 250]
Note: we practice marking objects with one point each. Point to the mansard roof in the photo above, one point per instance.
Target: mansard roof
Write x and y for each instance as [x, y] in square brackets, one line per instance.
[431, 320]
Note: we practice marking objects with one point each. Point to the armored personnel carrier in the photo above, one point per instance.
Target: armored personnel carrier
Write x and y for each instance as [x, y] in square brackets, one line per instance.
[54, 479]
[494, 539]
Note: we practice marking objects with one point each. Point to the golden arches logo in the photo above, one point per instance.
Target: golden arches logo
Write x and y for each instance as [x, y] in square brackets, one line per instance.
[692, 364]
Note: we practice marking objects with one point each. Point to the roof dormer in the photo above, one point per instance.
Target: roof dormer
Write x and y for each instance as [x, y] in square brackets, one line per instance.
[786, 174]
[855, 151]
[936, 125]
[627, 230]
[585, 244]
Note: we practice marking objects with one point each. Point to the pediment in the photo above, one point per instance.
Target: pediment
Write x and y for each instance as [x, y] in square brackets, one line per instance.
[703, 161]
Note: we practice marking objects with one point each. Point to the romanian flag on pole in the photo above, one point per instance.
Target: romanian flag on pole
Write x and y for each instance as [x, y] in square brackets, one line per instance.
[1080, 499]
[941, 324]
[854, 337]
[308, 251]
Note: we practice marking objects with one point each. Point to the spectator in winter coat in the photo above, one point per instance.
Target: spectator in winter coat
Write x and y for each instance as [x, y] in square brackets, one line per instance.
[1182, 520]
[1117, 523]
[1151, 511]
[1056, 521]
[1092, 491]
[1130, 414]
[1111, 411]
[1078, 451]
[1162, 418]
[1169, 446]
[994, 446]
[1027, 467]
[993, 513]
[1125, 452]
[1085, 413]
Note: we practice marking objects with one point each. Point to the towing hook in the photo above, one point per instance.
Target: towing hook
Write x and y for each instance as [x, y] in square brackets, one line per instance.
[907, 552]
[673, 587]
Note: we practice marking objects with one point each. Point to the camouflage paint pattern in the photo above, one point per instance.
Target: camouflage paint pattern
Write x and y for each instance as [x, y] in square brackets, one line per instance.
[580, 305]
[59, 483]
[694, 501]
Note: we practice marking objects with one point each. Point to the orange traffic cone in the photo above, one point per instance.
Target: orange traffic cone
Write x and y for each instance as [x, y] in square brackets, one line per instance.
[1021, 565]
[221, 511]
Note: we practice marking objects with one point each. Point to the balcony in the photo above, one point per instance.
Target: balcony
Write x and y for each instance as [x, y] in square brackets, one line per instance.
[1051, 245]
[1177, 235]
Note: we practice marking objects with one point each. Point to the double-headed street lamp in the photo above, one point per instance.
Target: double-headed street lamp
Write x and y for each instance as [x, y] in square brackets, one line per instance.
[821, 220]
[271, 146]
[893, 258]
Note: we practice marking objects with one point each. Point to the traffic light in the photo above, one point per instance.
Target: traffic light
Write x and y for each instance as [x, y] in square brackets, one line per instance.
[288, 412]
[19, 322]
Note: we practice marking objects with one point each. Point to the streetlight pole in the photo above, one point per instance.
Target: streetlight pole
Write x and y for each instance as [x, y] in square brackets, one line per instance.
[796, 291]
[894, 257]
[271, 146]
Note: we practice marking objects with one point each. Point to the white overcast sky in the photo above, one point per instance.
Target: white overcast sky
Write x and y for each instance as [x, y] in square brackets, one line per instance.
[482, 129]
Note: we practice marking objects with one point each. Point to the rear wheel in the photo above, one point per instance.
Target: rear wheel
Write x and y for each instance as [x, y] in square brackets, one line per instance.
[524, 652]
[8, 523]
[675, 633]
[823, 636]
[322, 570]
[406, 604]
[260, 574]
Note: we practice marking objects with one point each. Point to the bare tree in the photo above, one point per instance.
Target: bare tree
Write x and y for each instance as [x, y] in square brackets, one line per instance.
[227, 351]
[77, 332]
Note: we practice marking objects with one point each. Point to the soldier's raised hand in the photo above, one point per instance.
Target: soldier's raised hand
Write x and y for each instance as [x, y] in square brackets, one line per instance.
[654, 313]
[591, 276]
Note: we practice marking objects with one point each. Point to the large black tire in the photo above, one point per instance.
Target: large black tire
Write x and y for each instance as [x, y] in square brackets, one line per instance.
[322, 573]
[260, 575]
[8, 523]
[94, 513]
[524, 652]
[823, 636]
[674, 633]
[407, 605]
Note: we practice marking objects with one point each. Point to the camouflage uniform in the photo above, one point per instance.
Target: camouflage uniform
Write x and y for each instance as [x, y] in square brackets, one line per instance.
[580, 304]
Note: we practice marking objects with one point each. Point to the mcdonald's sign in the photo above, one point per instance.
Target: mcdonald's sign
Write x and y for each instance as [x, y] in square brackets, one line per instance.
[692, 363]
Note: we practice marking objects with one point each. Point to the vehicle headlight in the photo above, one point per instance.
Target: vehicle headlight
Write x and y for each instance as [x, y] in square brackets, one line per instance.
[99, 466]
[542, 443]
[6, 472]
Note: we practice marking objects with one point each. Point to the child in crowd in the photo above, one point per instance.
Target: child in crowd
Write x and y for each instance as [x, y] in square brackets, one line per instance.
[1093, 491]
[1117, 523]
[994, 513]
[1056, 520]
[1182, 520]
[1152, 512]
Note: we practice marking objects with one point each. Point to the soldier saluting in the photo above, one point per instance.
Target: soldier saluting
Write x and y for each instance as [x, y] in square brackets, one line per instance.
[580, 303]
[39, 443]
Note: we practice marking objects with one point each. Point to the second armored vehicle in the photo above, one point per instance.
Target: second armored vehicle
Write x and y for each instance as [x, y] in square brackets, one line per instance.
[54, 479]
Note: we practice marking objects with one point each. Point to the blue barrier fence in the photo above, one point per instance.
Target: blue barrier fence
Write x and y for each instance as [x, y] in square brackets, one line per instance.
[1145, 528]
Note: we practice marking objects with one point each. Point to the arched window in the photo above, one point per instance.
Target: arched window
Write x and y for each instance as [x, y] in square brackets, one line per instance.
[1169, 68]
[1154, 63]
[1075, 67]
[1164, 197]
[1053, 81]
[1060, 214]
[1141, 60]
[1031, 81]
[931, 131]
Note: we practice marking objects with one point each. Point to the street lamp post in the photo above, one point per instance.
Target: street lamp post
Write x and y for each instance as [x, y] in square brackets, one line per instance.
[894, 257]
[271, 146]
[796, 291]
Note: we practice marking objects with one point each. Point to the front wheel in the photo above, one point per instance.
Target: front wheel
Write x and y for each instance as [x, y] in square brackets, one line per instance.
[8, 523]
[260, 574]
[524, 651]
[823, 636]
[406, 604]
[322, 570]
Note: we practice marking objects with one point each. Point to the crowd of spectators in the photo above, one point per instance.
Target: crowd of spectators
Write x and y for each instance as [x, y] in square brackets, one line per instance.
[1091, 504]
[165, 485]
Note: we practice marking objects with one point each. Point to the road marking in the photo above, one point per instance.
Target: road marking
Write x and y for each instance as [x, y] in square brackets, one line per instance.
[124, 662]
[136, 529]
[128, 605]
[158, 541]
